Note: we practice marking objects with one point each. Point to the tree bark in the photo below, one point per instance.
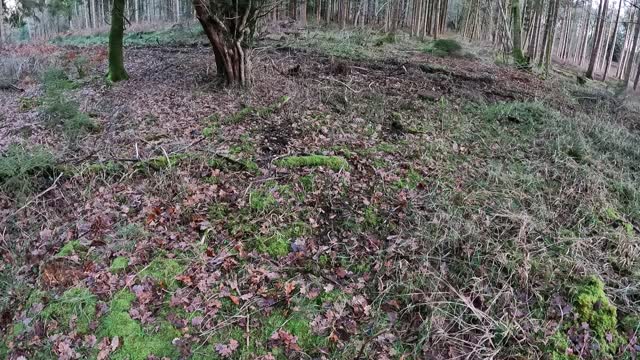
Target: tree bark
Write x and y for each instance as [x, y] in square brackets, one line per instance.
[2, 34]
[613, 43]
[632, 51]
[598, 38]
[116, 55]
[232, 61]
[516, 34]
[583, 47]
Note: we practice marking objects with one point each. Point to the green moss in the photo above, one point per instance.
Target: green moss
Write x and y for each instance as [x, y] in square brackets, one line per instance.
[119, 264]
[323, 260]
[558, 346]
[163, 271]
[239, 116]
[261, 200]
[72, 248]
[278, 244]
[137, 343]
[594, 308]
[371, 218]
[162, 162]
[335, 163]
[307, 182]
[78, 302]
[107, 168]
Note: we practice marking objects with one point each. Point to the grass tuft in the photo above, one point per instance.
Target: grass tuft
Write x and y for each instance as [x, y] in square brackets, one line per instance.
[335, 163]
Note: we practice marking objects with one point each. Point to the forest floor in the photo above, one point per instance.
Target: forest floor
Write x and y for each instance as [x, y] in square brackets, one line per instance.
[367, 197]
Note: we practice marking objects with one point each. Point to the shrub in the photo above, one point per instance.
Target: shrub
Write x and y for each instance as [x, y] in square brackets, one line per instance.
[389, 38]
[443, 47]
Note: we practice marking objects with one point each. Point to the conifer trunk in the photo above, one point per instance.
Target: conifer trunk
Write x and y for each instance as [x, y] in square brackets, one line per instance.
[116, 53]
[516, 34]
[613, 43]
[598, 38]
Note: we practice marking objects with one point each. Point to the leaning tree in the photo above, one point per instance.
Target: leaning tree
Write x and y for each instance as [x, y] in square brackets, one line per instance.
[230, 26]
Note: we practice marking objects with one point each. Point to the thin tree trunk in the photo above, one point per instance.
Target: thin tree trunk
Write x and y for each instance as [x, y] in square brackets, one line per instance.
[613, 43]
[632, 51]
[516, 34]
[598, 38]
[2, 34]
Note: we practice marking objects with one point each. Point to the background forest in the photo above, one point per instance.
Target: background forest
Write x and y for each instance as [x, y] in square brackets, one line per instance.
[320, 179]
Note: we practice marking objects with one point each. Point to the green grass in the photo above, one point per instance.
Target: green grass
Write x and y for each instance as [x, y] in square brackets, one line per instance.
[335, 163]
[76, 303]
[24, 171]
[163, 271]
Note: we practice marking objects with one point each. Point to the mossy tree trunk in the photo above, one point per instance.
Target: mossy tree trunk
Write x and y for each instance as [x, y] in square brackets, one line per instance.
[516, 35]
[116, 51]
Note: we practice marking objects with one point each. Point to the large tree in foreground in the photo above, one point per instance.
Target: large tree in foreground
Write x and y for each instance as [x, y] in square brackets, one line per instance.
[230, 25]
[116, 52]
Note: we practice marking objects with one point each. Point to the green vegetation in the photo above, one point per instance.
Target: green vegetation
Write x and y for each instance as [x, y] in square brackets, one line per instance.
[594, 308]
[24, 171]
[119, 264]
[61, 110]
[443, 47]
[77, 304]
[137, 342]
[525, 113]
[72, 248]
[164, 271]
[335, 163]
[278, 243]
[174, 36]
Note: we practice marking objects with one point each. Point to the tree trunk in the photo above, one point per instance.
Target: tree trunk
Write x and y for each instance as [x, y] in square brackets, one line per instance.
[2, 34]
[535, 30]
[583, 47]
[598, 38]
[613, 43]
[625, 47]
[232, 61]
[116, 56]
[547, 31]
[516, 34]
[632, 51]
[552, 32]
